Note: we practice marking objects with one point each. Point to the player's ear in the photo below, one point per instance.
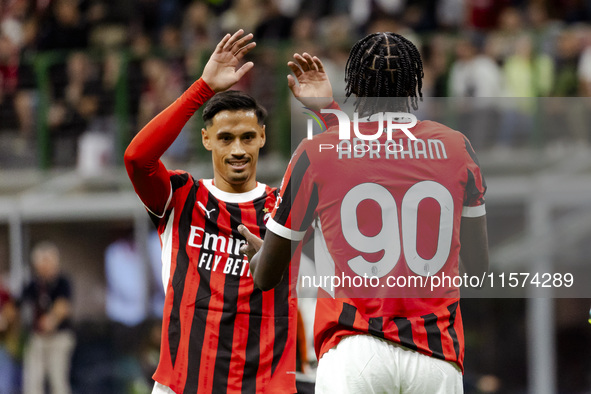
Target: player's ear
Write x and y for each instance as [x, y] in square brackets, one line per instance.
[205, 139]
[263, 136]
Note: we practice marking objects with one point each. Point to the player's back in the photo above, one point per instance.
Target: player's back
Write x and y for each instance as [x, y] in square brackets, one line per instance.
[389, 211]
[393, 207]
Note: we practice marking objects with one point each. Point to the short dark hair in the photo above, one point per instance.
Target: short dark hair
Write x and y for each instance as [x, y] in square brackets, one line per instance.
[232, 100]
[384, 65]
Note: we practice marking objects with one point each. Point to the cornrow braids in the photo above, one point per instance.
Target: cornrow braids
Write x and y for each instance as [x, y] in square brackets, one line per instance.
[384, 65]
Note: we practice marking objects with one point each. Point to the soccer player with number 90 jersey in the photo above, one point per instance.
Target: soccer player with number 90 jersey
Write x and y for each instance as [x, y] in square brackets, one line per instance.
[385, 209]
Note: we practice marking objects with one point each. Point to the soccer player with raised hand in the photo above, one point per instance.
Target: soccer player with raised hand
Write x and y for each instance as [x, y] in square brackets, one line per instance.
[219, 332]
[397, 213]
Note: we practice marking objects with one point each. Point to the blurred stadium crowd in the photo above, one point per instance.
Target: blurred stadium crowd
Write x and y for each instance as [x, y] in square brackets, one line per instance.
[102, 68]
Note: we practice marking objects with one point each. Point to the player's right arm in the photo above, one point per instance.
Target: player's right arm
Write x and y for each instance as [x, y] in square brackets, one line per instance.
[474, 249]
[142, 158]
[473, 234]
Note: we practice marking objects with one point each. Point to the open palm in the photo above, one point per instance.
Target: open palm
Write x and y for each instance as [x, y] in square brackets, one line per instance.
[313, 88]
[221, 72]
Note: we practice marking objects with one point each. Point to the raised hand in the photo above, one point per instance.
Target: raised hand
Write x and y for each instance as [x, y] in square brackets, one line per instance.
[220, 72]
[313, 88]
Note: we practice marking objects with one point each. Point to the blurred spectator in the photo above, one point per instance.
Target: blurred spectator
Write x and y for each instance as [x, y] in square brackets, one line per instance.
[163, 84]
[65, 27]
[436, 66]
[8, 324]
[274, 26]
[26, 96]
[483, 14]
[584, 72]
[134, 290]
[545, 30]
[8, 81]
[135, 296]
[198, 26]
[527, 75]
[51, 343]
[73, 107]
[474, 74]
[567, 60]
[451, 14]
[243, 14]
[361, 12]
[500, 42]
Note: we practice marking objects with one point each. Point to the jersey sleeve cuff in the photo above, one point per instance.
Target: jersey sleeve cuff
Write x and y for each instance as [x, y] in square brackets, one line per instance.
[165, 207]
[474, 212]
[284, 232]
[200, 91]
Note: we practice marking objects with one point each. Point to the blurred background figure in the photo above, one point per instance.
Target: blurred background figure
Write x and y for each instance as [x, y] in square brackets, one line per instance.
[475, 74]
[51, 341]
[134, 304]
[9, 366]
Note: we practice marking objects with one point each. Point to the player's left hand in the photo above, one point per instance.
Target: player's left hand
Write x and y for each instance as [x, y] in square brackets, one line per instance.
[313, 88]
[253, 244]
[220, 72]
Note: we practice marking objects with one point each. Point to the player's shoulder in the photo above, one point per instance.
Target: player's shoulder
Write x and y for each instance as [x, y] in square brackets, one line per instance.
[179, 178]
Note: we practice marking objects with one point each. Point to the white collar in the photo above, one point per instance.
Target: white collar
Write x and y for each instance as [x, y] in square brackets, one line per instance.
[234, 197]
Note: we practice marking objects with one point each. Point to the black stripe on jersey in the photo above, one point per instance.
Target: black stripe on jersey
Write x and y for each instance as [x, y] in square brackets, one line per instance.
[472, 192]
[281, 302]
[312, 204]
[180, 273]
[433, 335]
[376, 326]
[179, 180]
[471, 151]
[202, 298]
[292, 188]
[231, 286]
[251, 366]
[405, 332]
[452, 328]
[347, 316]
[281, 295]
[253, 353]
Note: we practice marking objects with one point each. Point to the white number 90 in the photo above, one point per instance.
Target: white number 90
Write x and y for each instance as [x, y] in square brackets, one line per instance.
[389, 237]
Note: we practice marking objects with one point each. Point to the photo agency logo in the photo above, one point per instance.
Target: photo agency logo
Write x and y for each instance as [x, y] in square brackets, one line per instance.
[360, 143]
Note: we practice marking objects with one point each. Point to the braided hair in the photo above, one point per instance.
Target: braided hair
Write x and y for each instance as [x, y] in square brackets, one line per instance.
[384, 65]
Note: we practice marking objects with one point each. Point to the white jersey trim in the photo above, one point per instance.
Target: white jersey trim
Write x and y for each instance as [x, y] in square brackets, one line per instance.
[165, 207]
[284, 232]
[234, 197]
[159, 388]
[474, 212]
[166, 256]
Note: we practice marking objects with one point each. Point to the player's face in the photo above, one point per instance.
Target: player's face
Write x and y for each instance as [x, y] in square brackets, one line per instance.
[234, 139]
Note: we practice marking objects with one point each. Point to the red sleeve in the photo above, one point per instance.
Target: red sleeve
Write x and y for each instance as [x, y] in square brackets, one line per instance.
[142, 158]
[330, 120]
[475, 185]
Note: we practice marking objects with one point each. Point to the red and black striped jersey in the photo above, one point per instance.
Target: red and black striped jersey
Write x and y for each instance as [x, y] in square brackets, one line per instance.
[219, 333]
[385, 209]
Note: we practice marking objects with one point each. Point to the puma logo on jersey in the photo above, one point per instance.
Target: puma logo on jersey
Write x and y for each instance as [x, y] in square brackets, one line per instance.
[205, 209]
